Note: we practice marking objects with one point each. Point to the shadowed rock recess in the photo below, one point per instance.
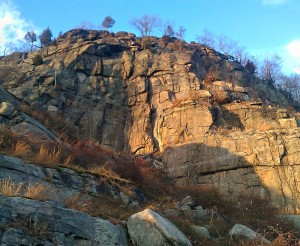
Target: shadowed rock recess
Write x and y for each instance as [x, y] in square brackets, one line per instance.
[200, 114]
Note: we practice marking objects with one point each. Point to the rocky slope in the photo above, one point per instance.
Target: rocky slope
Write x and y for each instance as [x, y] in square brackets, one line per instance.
[192, 109]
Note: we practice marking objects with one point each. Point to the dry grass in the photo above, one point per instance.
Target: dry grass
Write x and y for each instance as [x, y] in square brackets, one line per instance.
[47, 157]
[108, 173]
[103, 206]
[21, 149]
[68, 161]
[10, 188]
[35, 191]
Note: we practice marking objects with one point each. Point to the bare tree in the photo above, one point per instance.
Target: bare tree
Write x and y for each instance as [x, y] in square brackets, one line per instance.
[86, 25]
[168, 29]
[270, 67]
[291, 84]
[30, 37]
[226, 45]
[180, 33]
[8, 48]
[108, 22]
[206, 38]
[145, 24]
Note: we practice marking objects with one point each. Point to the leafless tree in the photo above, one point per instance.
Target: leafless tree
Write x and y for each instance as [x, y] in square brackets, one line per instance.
[180, 33]
[270, 67]
[168, 29]
[206, 38]
[8, 48]
[145, 24]
[226, 45]
[86, 25]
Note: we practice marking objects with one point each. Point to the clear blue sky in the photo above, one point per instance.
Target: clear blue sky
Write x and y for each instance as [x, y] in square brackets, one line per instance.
[259, 25]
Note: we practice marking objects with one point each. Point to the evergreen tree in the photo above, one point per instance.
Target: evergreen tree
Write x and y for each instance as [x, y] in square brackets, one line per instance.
[46, 37]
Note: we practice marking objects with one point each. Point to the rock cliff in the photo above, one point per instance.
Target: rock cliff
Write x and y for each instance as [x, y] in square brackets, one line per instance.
[198, 113]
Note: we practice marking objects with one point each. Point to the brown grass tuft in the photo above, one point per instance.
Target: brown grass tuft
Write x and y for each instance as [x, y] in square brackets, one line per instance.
[35, 191]
[47, 157]
[9, 188]
[21, 149]
[108, 173]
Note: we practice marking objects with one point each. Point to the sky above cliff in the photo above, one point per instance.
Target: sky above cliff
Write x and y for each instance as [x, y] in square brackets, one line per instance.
[259, 25]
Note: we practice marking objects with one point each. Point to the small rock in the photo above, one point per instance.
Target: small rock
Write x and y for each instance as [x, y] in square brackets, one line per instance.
[7, 109]
[245, 233]
[201, 231]
[171, 212]
[187, 211]
[187, 201]
[200, 213]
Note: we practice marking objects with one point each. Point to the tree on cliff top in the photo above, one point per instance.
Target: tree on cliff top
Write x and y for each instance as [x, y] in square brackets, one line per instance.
[30, 37]
[46, 37]
[108, 22]
[145, 24]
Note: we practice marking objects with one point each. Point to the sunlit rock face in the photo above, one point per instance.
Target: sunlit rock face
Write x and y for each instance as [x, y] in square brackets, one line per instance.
[204, 117]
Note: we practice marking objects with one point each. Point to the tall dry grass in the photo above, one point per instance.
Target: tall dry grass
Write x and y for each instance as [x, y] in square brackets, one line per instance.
[10, 188]
[35, 191]
[21, 149]
[47, 157]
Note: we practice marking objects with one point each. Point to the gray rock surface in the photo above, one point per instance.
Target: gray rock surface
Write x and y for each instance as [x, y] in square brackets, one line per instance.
[60, 183]
[148, 228]
[201, 231]
[242, 232]
[32, 222]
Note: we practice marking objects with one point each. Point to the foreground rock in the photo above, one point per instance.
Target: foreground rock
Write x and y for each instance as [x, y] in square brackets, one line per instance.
[61, 183]
[148, 228]
[242, 232]
[29, 222]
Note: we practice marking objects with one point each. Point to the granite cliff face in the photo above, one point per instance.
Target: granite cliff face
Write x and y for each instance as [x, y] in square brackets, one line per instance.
[198, 113]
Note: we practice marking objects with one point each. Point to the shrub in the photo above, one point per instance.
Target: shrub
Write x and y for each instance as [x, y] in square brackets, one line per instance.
[37, 60]
[154, 182]
[7, 138]
[102, 206]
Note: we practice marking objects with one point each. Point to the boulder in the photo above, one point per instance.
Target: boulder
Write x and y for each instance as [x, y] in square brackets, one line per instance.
[201, 231]
[148, 228]
[242, 232]
[7, 109]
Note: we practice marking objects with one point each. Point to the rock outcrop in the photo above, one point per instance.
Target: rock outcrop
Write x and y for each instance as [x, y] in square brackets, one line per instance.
[202, 115]
[29, 222]
[62, 183]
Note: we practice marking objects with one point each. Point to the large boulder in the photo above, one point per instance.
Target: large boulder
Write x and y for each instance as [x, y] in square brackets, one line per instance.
[148, 228]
